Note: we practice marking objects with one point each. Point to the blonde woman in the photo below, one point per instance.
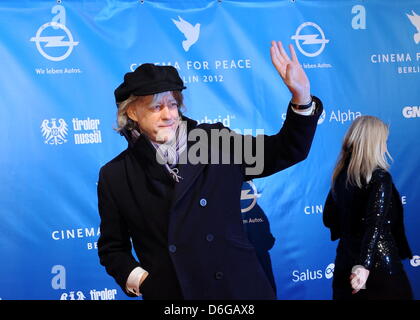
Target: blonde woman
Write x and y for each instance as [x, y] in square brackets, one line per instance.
[363, 209]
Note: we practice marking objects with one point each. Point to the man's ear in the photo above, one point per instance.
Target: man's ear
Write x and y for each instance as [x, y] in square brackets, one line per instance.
[131, 112]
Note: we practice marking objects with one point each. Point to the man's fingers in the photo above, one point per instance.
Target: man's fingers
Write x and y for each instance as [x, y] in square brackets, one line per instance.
[276, 52]
[289, 73]
[293, 53]
[282, 51]
[277, 64]
[278, 60]
[274, 57]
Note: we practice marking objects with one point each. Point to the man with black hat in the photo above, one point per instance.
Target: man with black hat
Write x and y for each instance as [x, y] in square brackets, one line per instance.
[183, 217]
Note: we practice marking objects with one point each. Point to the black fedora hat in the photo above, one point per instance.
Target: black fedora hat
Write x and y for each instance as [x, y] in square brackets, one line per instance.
[149, 79]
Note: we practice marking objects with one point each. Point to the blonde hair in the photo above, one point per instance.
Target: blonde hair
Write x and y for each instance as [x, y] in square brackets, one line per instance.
[365, 149]
[123, 120]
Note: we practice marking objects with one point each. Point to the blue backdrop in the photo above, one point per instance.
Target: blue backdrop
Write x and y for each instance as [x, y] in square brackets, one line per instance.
[62, 60]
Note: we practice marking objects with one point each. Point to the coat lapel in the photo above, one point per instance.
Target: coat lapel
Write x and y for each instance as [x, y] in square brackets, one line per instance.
[189, 172]
[144, 174]
[145, 156]
[145, 153]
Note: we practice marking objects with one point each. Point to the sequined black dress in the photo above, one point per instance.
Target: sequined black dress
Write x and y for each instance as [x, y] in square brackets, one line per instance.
[369, 223]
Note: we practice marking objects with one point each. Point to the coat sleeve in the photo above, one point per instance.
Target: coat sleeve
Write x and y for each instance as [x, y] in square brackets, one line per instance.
[114, 245]
[330, 216]
[376, 214]
[284, 149]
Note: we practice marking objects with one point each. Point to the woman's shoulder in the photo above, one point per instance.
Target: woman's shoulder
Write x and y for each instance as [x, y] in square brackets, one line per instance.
[381, 175]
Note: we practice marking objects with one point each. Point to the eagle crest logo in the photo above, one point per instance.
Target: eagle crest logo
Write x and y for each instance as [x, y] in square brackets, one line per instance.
[53, 133]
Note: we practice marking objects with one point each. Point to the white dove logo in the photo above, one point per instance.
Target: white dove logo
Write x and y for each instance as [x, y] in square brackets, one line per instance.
[54, 134]
[190, 32]
[415, 20]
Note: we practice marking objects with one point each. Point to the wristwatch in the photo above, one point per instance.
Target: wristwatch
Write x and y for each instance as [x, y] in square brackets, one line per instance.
[303, 106]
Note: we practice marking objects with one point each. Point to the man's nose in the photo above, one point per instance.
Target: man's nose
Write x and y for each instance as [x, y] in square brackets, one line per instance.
[165, 113]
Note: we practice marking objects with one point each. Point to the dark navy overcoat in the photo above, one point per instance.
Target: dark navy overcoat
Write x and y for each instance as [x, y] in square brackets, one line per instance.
[189, 235]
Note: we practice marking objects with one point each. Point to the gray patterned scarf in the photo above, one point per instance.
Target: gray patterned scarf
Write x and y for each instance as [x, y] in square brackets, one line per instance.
[170, 151]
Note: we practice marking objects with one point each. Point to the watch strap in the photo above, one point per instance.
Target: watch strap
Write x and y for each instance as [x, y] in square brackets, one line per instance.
[303, 106]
